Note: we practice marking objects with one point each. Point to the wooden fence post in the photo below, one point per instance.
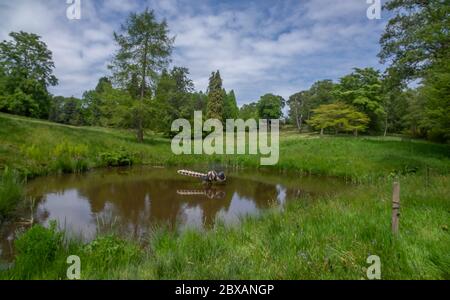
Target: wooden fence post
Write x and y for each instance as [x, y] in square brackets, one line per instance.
[395, 207]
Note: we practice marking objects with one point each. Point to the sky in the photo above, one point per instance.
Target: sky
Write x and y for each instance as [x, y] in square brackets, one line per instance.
[259, 46]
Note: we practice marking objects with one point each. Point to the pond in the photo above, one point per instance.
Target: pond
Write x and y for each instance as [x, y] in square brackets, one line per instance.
[131, 201]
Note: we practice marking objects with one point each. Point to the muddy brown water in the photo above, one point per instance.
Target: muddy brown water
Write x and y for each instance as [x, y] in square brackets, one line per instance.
[132, 201]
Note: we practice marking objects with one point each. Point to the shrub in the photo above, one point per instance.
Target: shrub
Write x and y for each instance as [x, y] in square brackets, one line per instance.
[116, 158]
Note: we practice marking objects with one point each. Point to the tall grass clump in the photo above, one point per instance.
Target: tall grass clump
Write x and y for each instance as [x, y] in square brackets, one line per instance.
[37, 250]
[42, 252]
[11, 191]
[70, 158]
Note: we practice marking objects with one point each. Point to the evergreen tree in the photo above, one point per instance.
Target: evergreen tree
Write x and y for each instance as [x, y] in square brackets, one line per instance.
[230, 110]
[216, 97]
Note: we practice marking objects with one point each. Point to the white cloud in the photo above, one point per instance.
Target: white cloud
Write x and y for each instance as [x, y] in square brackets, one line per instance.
[259, 47]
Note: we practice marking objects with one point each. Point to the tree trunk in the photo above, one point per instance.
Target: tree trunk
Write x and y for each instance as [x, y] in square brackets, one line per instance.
[299, 123]
[298, 118]
[140, 129]
[321, 131]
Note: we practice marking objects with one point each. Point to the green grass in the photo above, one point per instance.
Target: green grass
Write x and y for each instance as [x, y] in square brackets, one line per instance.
[37, 147]
[11, 192]
[327, 238]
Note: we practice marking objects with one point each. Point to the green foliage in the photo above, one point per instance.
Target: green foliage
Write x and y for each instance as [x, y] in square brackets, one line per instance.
[270, 106]
[144, 49]
[297, 103]
[67, 111]
[230, 108]
[107, 252]
[414, 114]
[37, 250]
[249, 111]
[321, 92]
[216, 97]
[70, 157]
[339, 116]
[116, 158]
[415, 43]
[416, 38]
[436, 92]
[343, 157]
[302, 103]
[337, 231]
[11, 191]
[363, 89]
[95, 103]
[173, 99]
[26, 68]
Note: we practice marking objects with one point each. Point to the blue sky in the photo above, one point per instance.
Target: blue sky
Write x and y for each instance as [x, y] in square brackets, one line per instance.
[259, 47]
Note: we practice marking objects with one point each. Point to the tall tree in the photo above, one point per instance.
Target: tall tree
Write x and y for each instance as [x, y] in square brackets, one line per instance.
[436, 91]
[67, 111]
[144, 50]
[302, 103]
[296, 105]
[27, 70]
[416, 37]
[416, 45]
[216, 97]
[173, 98]
[270, 106]
[93, 102]
[363, 89]
[321, 92]
[230, 110]
[249, 111]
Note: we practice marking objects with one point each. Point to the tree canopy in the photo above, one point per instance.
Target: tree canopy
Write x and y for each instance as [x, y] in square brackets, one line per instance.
[340, 117]
[216, 97]
[26, 71]
[144, 50]
[270, 106]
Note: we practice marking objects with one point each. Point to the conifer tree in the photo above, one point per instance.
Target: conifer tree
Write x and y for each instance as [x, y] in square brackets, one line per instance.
[231, 110]
[216, 97]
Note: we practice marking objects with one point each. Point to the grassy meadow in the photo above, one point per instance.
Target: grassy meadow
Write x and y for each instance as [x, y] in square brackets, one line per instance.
[328, 238]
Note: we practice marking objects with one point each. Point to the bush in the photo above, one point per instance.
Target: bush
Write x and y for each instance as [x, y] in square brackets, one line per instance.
[11, 192]
[116, 159]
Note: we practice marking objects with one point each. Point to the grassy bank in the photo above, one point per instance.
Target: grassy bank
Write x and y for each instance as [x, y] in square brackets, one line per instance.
[37, 147]
[325, 238]
[11, 192]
